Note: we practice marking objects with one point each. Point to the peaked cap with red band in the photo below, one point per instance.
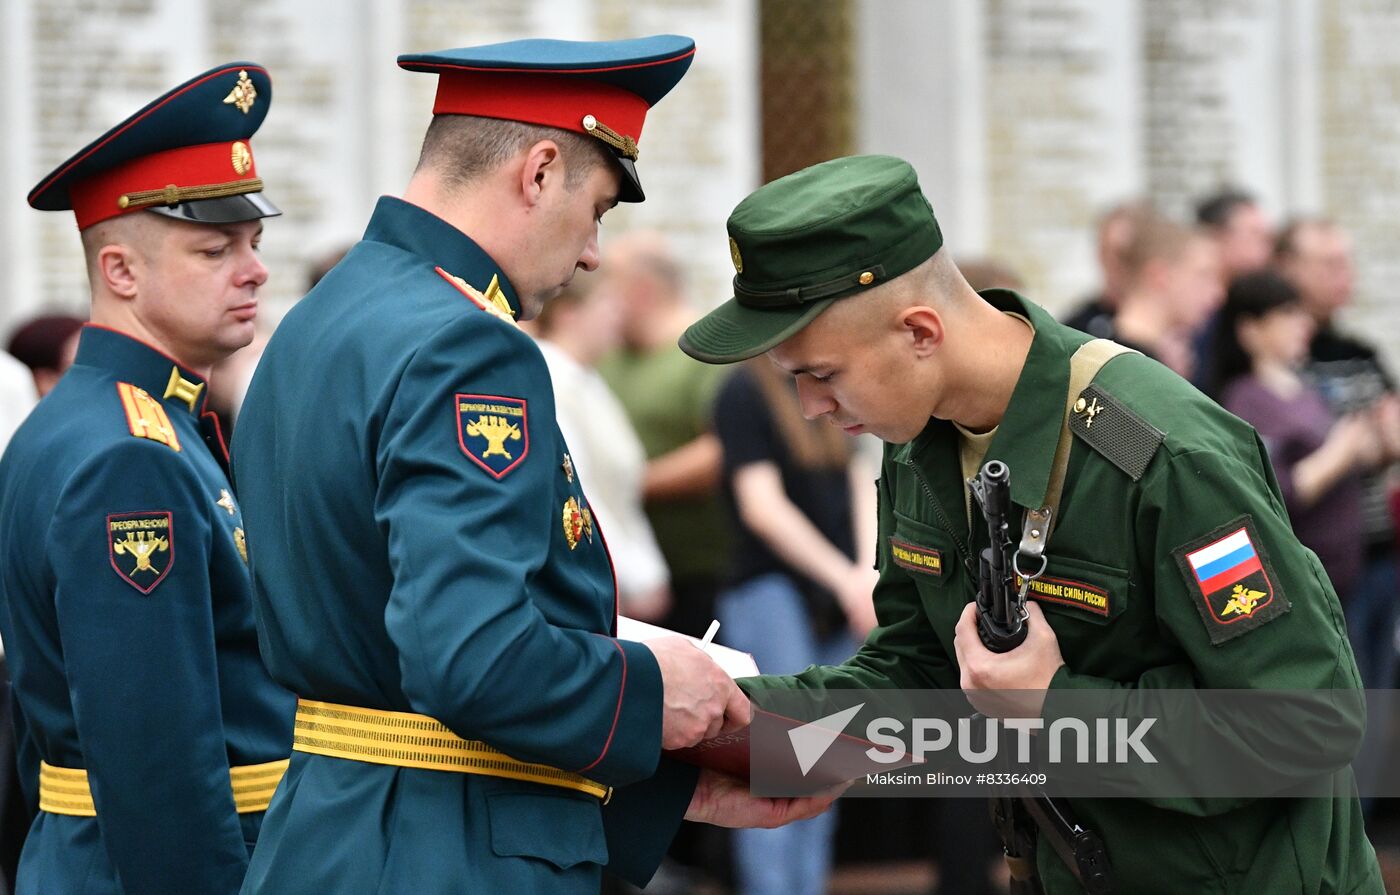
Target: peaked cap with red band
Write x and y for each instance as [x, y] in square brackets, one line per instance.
[599, 88]
[185, 155]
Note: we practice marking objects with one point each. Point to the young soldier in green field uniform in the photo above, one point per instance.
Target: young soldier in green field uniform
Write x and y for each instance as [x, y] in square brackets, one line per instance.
[1172, 560]
[431, 580]
[127, 616]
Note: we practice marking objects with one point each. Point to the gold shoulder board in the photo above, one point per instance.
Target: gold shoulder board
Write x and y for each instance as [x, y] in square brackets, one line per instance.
[146, 416]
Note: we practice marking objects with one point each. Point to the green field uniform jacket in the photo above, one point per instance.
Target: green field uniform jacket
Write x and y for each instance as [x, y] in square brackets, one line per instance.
[1143, 563]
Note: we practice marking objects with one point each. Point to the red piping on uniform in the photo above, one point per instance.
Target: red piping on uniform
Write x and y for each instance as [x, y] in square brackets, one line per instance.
[612, 568]
[617, 713]
[218, 431]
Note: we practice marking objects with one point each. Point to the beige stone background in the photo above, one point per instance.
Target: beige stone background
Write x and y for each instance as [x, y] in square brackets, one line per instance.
[1025, 118]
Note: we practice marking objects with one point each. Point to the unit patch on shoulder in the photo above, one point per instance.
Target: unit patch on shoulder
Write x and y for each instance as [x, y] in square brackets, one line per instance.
[146, 417]
[141, 547]
[1235, 586]
[924, 560]
[492, 431]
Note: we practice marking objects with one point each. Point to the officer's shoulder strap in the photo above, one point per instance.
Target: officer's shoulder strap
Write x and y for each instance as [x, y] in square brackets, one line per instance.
[146, 417]
[1100, 420]
[492, 301]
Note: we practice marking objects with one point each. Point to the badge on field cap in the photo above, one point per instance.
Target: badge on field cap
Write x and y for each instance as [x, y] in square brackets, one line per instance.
[492, 431]
[1235, 586]
[141, 547]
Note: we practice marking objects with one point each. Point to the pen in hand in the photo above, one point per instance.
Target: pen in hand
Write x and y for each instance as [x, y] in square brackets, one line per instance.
[710, 634]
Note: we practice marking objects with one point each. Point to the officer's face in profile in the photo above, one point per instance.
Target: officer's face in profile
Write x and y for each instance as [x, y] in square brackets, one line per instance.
[565, 239]
[196, 286]
[858, 367]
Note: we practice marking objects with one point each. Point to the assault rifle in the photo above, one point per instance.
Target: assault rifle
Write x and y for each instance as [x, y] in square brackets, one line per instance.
[1001, 625]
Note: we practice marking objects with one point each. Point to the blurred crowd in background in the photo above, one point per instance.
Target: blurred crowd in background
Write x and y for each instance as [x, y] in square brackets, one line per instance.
[720, 501]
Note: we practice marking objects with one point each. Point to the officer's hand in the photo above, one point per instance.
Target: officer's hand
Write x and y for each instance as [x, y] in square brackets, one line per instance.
[1007, 685]
[699, 700]
[725, 801]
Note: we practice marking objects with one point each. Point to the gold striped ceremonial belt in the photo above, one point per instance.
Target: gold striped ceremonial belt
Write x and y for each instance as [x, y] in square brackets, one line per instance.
[409, 740]
[66, 790]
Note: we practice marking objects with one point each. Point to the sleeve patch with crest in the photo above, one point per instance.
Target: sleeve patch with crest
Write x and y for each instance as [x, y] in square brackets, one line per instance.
[141, 547]
[492, 431]
[924, 560]
[1235, 586]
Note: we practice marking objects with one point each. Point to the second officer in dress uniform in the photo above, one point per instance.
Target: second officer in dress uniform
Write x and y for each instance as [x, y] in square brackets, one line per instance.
[431, 580]
[152, 727]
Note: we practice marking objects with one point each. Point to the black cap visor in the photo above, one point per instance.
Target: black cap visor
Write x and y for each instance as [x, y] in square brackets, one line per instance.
[630, 189]
[223, 210]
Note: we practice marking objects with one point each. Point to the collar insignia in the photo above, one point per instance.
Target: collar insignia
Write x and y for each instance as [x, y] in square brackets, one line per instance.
[181, 389]
[1088, 410]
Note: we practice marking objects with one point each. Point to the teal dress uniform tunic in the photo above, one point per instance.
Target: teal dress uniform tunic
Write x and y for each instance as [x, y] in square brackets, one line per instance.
[128, 625]
[424, 545]
[1128, 610]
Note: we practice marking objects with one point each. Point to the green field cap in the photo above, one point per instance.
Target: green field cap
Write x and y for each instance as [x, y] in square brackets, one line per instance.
[803, 241]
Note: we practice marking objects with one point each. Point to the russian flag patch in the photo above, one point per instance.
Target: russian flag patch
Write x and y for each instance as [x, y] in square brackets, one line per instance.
[1230, 574]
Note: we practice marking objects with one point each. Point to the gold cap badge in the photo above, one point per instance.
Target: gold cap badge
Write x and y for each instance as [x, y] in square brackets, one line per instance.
[242, 158]
[243, 94]
[735, 256]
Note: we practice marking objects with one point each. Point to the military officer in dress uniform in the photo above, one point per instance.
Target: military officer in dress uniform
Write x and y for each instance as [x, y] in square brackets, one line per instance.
[1172, 562]
[431, 580]
[157, 734]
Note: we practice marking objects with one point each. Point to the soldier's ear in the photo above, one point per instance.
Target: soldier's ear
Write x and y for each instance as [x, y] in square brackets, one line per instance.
[925, 328]
[116, 267]
[543, 165]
